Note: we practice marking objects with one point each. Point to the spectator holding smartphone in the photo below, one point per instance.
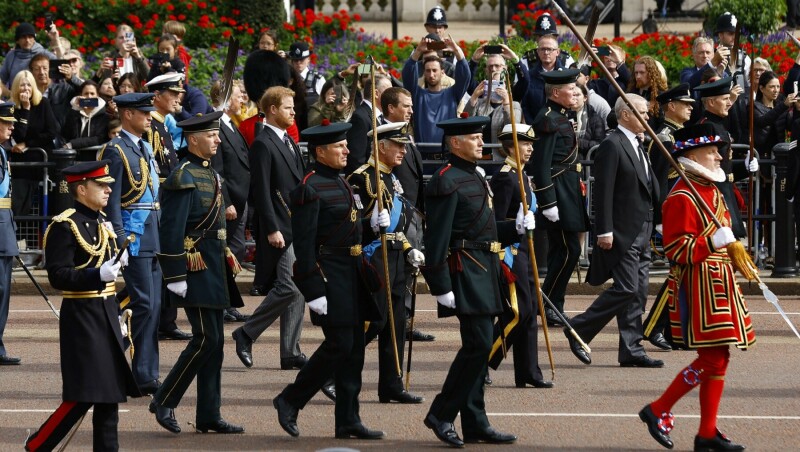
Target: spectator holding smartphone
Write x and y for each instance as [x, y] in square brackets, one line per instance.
[87, 122]
[177, 29]
[125, 58]
[166, 60]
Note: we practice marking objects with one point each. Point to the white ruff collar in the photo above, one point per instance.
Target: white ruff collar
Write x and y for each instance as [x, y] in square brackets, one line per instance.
[717, 175]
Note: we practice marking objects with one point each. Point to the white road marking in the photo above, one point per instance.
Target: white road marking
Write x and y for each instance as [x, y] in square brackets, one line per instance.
[44, 411]
[693, 416]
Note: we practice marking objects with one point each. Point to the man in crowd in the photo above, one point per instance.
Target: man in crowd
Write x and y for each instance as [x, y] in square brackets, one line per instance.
[8, 240]
[59, 91]
[648, 82]
[705, 57]
[18, 58]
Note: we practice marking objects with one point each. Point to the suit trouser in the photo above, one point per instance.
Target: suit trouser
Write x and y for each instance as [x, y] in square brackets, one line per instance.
[235, 230]
[104, 423]
[284, 300]
[389, 381]
[625, 299]
[341, 355]
[563, 252]
[201, 358]
[6, 263]
[168, 317]
[463, 388]
[143, 281]
[414, 236]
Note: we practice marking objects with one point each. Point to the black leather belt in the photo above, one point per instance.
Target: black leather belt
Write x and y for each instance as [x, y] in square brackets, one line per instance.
[573, 167]
[353, 251]
[492, 247]
[219, 234]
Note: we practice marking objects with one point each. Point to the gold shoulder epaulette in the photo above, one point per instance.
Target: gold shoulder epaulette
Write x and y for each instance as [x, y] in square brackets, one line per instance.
[505, 169]
[63, 215]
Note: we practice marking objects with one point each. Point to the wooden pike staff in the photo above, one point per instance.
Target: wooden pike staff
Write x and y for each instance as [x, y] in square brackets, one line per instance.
[739, 256]
[529, 234]
[750, 119]
[379, 201]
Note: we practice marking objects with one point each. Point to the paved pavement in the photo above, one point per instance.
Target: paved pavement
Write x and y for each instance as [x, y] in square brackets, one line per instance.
[591, 408]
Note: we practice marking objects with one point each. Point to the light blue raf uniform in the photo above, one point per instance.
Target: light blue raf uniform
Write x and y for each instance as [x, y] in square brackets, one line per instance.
[8, 239]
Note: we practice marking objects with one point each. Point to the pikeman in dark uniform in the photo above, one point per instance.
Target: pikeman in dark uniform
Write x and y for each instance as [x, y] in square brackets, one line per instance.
[392, 139]
[167, 89]
[559, 190]
[463, 268]
[198, 269]
[717, 101]
[517, 326]
[331, 273]
[133, 208]
[80, 252]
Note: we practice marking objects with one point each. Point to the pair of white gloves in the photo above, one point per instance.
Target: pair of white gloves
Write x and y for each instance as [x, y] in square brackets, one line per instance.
[110, 269]
[524, 222]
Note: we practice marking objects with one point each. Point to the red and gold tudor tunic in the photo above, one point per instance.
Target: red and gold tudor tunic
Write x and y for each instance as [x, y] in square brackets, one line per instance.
[706, 306]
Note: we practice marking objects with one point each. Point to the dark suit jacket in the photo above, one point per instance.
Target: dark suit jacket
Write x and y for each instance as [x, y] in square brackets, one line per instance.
[357, 141]
[232, 164]
[409, 173]
[623, 199]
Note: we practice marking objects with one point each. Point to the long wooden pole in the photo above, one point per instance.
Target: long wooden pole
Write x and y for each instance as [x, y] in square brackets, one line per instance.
[750, 119]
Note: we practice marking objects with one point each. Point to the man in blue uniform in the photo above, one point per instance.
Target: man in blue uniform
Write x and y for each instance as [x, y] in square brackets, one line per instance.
[8, 240]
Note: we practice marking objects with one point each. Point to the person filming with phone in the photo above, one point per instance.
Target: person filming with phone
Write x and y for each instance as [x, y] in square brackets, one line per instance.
[125, 58]
[87, 122]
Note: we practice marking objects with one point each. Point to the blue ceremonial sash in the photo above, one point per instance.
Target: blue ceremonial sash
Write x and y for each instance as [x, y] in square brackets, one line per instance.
[394, 219]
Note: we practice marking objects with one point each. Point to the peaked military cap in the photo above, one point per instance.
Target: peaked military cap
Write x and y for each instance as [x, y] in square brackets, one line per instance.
[201, 123]
[96, 170]
[718, 88]
[677, 93]
[393, 131]
[7, 112]
[545, 25]
[561, 76]
[136, 101]
[726, 22]
[299, 50]
[436, 16]
[696, 136]
[463, 125]
[326, 133]
[524, 133]
[172, 81]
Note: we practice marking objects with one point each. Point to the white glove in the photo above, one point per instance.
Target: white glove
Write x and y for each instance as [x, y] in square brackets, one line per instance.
[319, 305]
[660, 229]
[525, 220]
[379, 220]
[123, 321]
[178, 288]
[722, 237]
[415, 257]
[751, 164]
[109, 270]
[447, 300]
[123, 258]
[790, 199]
[551, 213]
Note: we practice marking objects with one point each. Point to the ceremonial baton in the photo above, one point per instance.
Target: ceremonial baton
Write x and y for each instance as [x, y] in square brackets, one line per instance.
[128, 240]
[414, 276]
[38, 287]
[739, 256]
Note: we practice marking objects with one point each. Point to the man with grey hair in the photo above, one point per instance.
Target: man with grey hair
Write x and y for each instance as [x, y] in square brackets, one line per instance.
[625, 193]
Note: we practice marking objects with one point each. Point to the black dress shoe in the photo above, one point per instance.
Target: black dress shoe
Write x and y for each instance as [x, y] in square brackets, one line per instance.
[491, 436]
[237, 316]
[228, 318]
[329, 389]
[359, 431]
[445, 431]
[552, 318]
[648, 417]
[6, 360]
[659, 341]
[287, 415]
[419, 336]
[219, 426]
[175, 335]
[150, 387]
[535, 383]
[576, 348]
[643, 361]
[718, 443]
[244, 347]
[257, 291]
[487, 379]
[401, 397]
[165, 417]
[296, 362]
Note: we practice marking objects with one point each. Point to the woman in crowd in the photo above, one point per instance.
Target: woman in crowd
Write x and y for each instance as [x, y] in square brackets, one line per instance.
[770, 105]
[126, 52]
[87, 123]
[268, 40]
[334, 104]
[106, 90]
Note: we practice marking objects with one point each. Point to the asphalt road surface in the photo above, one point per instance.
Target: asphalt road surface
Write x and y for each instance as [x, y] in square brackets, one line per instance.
[591, 407]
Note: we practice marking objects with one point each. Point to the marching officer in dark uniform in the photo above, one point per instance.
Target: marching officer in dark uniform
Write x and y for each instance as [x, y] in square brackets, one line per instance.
[8, 239]
[167, 89]
[81, 256]
[517, 327]
[461, 243]
[392, 139]
[559, 190]
[335, 280]
[198, 269]
[133, 208]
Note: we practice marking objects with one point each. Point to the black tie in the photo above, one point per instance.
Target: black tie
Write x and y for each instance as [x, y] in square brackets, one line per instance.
[289, 144]
[643, 158]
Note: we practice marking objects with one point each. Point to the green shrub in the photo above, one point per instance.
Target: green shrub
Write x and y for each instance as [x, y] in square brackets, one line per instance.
[757, 17]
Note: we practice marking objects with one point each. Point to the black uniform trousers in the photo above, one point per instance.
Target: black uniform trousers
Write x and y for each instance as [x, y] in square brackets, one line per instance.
[389, 382]
[563, 252]
[340, 355]
[463, 388]
[201, 358]
[58, 425]
[523, 338]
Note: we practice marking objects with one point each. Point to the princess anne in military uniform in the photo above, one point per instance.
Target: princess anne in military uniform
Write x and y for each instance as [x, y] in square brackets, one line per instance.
[80, 254]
